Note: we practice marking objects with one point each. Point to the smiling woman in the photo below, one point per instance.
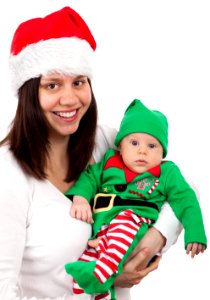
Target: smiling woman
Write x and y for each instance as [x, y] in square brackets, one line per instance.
[157, 51]
[51, 140]
[64, 101]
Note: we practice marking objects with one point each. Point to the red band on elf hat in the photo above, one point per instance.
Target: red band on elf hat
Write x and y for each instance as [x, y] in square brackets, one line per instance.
[60, 42]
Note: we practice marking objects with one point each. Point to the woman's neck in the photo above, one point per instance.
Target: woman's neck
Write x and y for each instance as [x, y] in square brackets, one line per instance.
[57, 164]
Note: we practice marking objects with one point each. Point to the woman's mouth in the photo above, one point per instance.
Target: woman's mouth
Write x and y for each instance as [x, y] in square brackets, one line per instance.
[65, 114]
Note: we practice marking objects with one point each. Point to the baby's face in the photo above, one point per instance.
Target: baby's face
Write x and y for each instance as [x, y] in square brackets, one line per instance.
[141, 152]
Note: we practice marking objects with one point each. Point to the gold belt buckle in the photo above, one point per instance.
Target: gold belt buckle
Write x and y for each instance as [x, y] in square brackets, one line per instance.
[111, 202]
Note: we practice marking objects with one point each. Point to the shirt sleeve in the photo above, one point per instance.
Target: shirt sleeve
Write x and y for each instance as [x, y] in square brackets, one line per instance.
[168, 225]
[104, 139]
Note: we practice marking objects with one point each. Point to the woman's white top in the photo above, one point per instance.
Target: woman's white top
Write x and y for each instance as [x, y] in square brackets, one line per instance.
[38, 236]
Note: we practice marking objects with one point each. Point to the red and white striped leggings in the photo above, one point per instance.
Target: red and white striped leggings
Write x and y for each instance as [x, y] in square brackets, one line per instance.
[115, 239]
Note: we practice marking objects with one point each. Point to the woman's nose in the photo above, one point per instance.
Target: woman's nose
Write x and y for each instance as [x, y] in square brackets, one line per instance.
[68, 96]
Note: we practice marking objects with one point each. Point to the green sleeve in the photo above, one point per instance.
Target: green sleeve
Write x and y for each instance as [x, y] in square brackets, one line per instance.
[185, 205]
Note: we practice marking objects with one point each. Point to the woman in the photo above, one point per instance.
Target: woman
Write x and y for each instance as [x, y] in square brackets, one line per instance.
[51, 140]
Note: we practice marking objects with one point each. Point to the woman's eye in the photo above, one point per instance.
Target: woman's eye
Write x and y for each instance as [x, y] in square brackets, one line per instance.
[78, 83]
[51, 86]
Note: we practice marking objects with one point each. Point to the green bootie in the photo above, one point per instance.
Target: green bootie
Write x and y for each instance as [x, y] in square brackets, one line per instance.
[82, 272]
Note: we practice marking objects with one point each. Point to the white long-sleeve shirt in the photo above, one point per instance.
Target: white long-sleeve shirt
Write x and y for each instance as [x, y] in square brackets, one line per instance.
[38, 236]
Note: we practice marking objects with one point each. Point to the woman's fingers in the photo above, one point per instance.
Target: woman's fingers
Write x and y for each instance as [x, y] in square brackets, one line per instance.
[136, 269]
[151, 267]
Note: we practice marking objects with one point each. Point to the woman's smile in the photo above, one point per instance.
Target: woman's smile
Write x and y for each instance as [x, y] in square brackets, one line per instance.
[66, 116]
[64, 100]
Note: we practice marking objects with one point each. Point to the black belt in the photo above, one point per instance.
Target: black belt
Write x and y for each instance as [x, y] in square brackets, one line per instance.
[104, 202]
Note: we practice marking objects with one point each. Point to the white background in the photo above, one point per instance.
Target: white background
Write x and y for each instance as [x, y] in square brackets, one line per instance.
[157, 51]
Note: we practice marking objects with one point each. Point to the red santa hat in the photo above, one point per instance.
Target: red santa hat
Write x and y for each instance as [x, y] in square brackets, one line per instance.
[60, 42]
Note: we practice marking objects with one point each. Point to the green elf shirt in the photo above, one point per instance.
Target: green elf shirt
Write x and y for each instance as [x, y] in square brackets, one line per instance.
[149, 191]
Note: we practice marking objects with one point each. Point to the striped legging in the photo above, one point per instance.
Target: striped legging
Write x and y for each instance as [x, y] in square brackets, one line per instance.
[114, 241]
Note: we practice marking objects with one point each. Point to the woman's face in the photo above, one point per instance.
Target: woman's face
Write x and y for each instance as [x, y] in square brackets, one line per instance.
[64, 101]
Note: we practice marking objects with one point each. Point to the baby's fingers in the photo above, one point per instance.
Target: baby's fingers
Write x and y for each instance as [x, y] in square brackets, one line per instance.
[195, 249]
[87, 216]
[73, 212]
[189, 248]
[76, 212]
[201, 248]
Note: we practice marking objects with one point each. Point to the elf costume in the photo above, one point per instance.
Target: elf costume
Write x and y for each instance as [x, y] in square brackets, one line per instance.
[127, 203]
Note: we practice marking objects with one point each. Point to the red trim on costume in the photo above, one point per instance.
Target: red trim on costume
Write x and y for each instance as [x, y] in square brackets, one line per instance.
[116, 162]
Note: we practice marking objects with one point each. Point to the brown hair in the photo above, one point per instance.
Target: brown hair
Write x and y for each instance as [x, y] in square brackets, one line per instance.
[29, 141]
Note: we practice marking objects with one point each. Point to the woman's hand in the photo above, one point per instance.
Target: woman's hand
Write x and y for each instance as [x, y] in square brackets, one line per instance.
[136, 266]
[153, 240]
[136, 269]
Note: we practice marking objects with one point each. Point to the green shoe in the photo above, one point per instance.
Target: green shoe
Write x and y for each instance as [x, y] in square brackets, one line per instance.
[83, 273]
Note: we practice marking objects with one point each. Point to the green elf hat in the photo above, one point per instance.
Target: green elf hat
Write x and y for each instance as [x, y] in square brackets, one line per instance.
[138, 118]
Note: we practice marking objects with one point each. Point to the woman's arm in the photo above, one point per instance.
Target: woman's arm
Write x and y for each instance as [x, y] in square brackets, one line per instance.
[154, 241]
[136, 269]
[157, 240]
[169, 226]
[138, 266]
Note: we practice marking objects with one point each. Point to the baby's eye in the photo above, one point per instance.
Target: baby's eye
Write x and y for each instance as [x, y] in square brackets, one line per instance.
[134, 143]
[151, 146]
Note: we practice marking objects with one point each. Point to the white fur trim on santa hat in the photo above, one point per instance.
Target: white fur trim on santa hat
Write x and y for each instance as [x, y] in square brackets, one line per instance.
[69, 56]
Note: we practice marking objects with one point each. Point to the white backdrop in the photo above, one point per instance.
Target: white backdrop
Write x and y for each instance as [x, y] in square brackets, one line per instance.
[159, 52]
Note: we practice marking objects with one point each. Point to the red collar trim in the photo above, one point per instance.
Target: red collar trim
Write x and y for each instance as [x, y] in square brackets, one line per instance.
[116, 162]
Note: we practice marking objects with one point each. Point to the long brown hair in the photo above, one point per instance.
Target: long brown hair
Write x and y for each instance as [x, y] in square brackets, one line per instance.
[28, 137]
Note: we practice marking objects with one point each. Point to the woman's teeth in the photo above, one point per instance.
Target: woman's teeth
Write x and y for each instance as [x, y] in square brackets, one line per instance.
[66, 114]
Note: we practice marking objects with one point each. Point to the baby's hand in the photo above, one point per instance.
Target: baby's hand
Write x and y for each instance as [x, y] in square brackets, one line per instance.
[195, 249]
[81, 209]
